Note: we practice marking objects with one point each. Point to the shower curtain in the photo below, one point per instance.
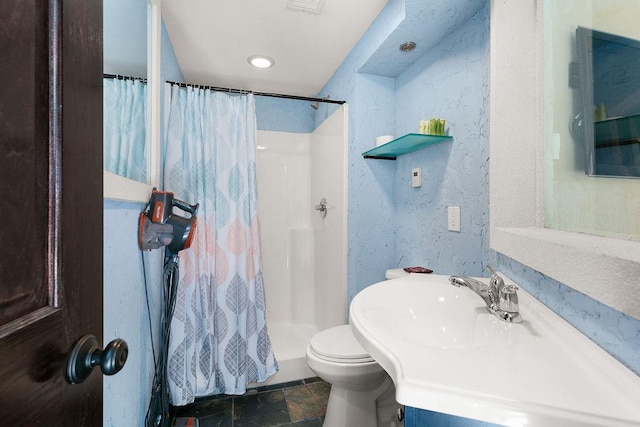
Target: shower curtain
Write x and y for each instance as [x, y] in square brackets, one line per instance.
[219, 341]
[124, 132]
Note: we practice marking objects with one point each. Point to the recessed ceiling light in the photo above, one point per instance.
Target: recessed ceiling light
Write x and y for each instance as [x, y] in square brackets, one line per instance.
[261, 61]
[407, 47]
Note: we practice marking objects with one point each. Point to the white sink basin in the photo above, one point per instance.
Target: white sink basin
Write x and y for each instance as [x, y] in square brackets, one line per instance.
[447, 353]
[453, 319]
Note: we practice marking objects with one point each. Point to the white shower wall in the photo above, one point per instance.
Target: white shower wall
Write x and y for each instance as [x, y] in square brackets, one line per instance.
[283, 201]
[303, 255]
[329, 180]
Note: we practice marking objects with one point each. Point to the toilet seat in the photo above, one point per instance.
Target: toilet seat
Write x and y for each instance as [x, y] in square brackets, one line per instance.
[339, 345]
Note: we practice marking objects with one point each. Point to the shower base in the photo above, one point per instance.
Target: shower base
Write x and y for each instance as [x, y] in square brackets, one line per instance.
[289, 342]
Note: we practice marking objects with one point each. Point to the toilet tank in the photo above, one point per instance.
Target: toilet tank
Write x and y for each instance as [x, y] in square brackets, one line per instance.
[395, 273]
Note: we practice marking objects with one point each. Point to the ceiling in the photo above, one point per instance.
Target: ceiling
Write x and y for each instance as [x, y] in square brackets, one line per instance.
[212, 40]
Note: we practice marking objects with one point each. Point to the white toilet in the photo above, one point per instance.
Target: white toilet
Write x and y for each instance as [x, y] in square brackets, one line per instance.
[362, 393]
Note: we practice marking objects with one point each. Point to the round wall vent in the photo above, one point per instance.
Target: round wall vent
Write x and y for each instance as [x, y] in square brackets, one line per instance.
[407, 47]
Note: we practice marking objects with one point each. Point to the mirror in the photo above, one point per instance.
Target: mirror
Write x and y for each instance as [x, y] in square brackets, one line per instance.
[125, 72]
[128, 31]
[125, 37]
[608, 119]
[527, 177]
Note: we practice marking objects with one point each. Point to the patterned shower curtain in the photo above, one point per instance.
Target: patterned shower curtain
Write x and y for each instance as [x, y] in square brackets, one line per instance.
[219, 340]
[124, 132]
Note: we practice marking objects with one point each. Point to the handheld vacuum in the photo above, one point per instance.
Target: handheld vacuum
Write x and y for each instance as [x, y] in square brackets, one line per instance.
[161, 226]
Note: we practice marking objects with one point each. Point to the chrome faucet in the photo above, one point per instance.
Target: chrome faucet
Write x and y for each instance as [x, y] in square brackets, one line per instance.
[501, 299]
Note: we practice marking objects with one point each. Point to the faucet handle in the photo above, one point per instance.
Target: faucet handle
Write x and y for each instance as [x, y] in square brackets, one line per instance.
[496, 281]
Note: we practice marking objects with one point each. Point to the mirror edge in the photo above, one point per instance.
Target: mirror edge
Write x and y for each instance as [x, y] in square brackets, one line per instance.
[116, 187]
[154, 60]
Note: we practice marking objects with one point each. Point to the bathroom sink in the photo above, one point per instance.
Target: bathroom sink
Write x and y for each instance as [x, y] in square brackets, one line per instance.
[447, 353]
[442, 317]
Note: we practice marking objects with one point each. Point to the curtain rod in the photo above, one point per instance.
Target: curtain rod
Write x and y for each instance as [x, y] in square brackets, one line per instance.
[119, 77]
[272, 95]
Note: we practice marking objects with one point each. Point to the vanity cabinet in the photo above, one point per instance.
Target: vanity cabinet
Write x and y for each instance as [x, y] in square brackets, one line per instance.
[414, 417]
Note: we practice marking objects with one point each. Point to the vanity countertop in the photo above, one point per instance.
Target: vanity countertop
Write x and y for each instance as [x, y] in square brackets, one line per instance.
[446, 353]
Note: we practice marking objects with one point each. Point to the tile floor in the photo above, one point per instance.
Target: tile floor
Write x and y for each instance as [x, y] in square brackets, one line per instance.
[298, 403]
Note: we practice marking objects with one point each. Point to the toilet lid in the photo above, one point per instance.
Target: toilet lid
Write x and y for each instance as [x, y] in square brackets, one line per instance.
[339, 343]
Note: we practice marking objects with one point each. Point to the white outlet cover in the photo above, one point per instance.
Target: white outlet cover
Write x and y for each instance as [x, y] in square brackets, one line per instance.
[453, 218]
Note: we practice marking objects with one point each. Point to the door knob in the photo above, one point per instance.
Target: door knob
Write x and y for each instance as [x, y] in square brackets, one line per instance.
[86, 354]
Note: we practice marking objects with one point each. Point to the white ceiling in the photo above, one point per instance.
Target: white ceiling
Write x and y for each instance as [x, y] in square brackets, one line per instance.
[212, 40]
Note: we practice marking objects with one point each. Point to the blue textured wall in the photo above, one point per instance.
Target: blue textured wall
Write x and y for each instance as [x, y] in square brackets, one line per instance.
[371, 196]
[451, 82]
[126, 395]
[370, 221]
[284, 115]
[391, 224]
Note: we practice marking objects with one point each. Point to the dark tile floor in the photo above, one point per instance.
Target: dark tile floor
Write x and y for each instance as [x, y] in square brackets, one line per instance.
[298, 403]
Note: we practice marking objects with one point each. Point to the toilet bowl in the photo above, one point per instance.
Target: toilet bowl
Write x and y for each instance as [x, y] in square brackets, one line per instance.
[362, 394]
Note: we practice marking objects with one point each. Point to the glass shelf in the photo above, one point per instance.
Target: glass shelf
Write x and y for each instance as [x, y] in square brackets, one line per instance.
[405, 144]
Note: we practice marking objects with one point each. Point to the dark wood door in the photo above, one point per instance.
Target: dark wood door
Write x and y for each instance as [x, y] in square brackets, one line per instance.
[50, 207]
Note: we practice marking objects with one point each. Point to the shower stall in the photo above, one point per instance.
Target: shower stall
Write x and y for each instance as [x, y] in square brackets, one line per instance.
[303, 251]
